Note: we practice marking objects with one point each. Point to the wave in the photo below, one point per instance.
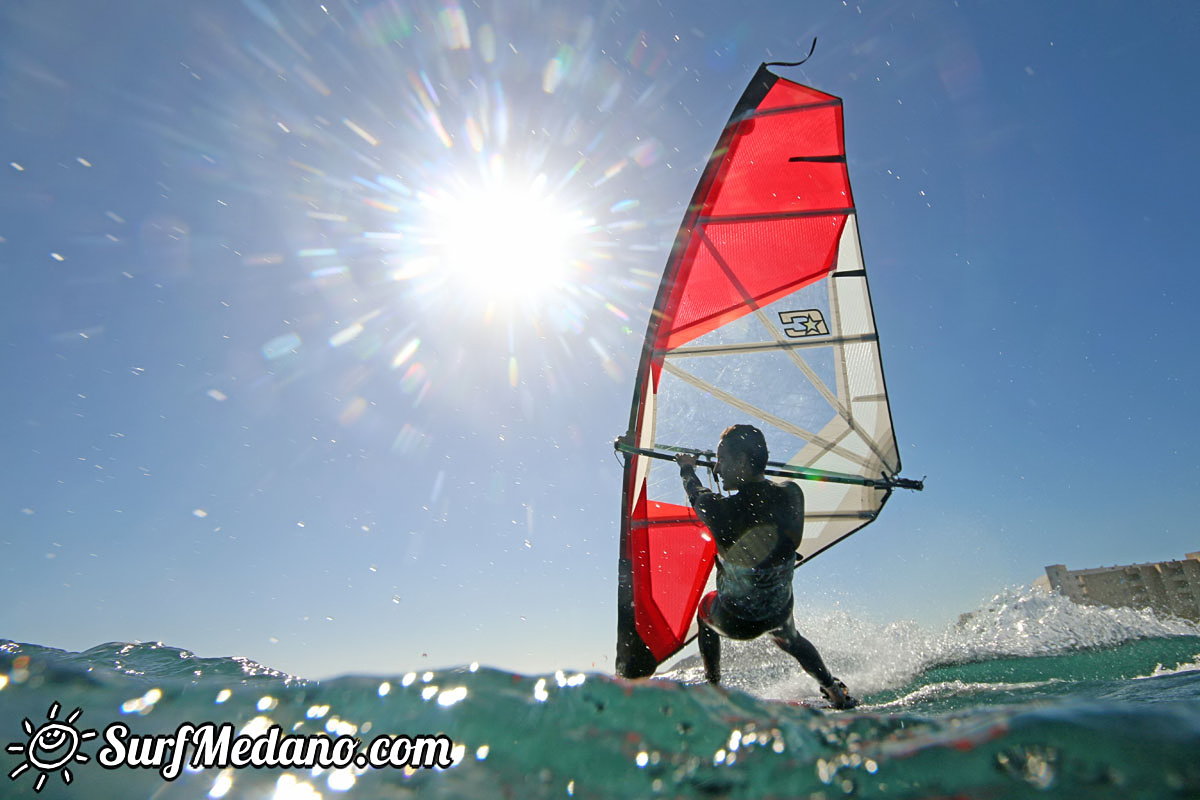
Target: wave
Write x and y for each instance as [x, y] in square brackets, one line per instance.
[149, 660]
[872, 658]
[1024, 696]
[596, 736]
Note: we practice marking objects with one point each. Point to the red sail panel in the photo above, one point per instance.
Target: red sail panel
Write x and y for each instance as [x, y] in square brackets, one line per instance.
[674, 556]
[764, 259]
[785, 93]
[766, 221]
[769, 218]
[760, 176]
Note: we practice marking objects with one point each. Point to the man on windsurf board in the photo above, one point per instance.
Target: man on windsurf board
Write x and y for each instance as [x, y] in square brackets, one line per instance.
[757, 530]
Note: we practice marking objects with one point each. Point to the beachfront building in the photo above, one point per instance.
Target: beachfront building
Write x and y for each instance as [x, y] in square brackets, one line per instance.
[1171, 587]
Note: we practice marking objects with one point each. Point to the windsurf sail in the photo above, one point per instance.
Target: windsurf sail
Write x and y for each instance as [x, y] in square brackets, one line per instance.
[763, 316]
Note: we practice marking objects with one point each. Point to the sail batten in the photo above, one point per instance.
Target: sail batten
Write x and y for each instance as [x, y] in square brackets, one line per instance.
[778, 215]
[749, 286]
[751, 347]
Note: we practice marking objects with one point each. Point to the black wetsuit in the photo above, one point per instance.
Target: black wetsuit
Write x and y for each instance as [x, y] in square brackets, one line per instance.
[757, 530]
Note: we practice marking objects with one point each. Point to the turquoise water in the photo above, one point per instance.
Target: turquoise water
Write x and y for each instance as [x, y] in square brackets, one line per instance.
[1028, 696]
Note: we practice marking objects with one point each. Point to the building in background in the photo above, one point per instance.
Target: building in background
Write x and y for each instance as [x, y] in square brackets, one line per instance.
[1170, 587]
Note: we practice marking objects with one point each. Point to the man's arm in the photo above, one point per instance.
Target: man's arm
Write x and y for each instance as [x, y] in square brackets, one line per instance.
[793, 525]
[691, 482]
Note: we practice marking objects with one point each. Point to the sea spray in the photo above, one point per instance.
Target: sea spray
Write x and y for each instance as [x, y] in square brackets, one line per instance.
[1019, 622]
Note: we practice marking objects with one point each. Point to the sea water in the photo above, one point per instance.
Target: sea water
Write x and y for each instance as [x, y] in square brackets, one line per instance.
[1028, 696]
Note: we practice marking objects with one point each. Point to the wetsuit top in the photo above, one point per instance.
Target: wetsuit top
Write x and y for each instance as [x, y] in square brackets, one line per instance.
[757, 530]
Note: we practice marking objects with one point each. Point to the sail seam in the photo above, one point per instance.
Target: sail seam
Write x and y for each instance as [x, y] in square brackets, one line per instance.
[756, 347]
[732, 218]
[770, 112]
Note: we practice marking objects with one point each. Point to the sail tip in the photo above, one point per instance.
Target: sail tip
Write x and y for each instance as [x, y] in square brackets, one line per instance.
[811, 50]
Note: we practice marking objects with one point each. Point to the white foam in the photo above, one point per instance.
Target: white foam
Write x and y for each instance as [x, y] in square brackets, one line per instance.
[1160, 670]
[943, 689]
[872, 657]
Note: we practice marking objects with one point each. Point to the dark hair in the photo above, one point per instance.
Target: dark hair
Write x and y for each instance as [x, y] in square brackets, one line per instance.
[749, 440]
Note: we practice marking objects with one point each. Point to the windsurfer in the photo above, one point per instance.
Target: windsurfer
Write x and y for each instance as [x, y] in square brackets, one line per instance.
[756, 530]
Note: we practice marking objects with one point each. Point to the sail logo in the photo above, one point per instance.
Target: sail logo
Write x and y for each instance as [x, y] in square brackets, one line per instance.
[800, 324]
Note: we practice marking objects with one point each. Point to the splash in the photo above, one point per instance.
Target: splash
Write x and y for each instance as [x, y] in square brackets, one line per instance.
[1019, 622]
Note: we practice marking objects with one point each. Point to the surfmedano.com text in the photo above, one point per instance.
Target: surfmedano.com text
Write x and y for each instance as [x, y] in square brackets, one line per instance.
[217, 747]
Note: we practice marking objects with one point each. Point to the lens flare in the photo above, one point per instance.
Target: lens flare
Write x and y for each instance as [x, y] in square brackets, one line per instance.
[505, 240]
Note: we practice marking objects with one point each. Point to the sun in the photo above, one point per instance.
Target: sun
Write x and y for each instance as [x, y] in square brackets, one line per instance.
[52, 746]
[506, 240]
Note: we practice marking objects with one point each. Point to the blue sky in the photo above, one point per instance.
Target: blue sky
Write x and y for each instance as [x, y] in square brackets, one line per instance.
[253, 408]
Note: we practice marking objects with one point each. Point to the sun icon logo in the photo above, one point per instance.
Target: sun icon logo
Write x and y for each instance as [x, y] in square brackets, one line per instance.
[51, 746]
